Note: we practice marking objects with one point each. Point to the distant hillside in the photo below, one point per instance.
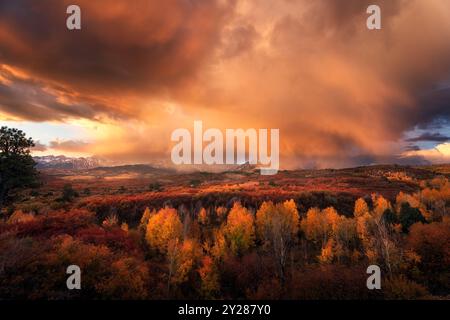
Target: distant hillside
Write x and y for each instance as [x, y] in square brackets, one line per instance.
[132, 168]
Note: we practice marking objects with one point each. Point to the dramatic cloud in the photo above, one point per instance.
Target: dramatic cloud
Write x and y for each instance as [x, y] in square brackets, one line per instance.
[26, 98]
[340, 94]
[430, 136]
[123, 45]
[439, 154]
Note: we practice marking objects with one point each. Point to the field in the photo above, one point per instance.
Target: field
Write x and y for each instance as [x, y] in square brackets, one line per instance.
[245, 184]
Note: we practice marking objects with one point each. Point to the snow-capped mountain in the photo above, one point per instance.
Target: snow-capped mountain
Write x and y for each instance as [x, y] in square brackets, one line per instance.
[63, 162]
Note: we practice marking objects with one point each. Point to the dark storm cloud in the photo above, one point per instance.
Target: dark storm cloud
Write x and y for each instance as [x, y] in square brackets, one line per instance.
[412, 147]
[434, 108]
[123, 45]
[30, 99]
[429, 136]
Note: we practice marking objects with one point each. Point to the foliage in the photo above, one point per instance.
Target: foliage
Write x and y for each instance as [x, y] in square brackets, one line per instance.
[182, 259]
[239, 229]
[68, 193]
[401, 288]
[155, 186]
[278, 226]
[16, 164]
[319, 225]
[408, 216]
[265, 246]
[361, 208]
[432, 244]
[203, 216]
[209, 278]
[111, 221]
[163, 227]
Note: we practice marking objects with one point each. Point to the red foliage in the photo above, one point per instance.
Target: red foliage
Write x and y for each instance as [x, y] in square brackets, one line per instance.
[114, 238]
[432, 243]
[330, 282]
[55, 223]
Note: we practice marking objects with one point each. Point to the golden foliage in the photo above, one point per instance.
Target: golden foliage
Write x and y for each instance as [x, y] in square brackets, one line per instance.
[220, 248]
[319, 226]
[361, 208]
[380, 205]
[163, 227]
[406, 198]
[146, 216]
[277, 220]
[209, 277]
[181, 259]
[20, 216]
[327, 252]
[203, 216]
[221, 213]
[239, 229]
[277, 225]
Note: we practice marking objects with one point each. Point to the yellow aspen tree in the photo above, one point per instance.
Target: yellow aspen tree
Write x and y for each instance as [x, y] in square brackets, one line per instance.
[277, 226]
[239, 229]
[163, 227]
[361, 208]
[209, 277]
[203, 216]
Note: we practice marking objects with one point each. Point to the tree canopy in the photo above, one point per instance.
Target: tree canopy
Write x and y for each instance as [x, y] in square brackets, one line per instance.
[17, 167]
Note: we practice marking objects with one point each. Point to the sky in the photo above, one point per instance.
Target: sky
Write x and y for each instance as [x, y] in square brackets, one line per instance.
[340, 94]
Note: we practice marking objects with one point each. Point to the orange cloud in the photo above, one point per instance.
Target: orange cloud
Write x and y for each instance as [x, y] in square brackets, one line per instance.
[340, 94]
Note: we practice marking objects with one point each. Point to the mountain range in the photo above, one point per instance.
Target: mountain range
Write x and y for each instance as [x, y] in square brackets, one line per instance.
[63, 162]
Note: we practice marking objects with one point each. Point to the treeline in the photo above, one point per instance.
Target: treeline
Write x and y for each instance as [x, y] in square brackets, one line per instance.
[272, 251]
[129, 207]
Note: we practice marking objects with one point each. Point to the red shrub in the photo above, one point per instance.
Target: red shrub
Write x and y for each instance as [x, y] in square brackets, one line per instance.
[114, 238]
[56, 223]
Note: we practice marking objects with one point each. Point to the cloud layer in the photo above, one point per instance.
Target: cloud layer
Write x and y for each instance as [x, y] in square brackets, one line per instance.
[340, 94]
